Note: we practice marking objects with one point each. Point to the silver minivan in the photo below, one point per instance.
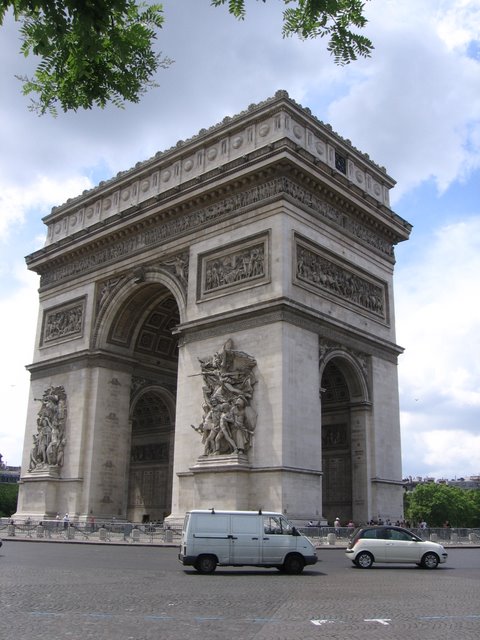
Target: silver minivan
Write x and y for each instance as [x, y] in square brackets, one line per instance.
[239, 538]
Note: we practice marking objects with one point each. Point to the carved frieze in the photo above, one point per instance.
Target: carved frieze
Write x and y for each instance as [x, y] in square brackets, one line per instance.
[326, 347]
[63, 322]
[335, 436]
[228, 422]
[156, 452]
[49, 441]
[163, 231]
[316, 268]
[233, 267]
[104, 289]
[178, 265]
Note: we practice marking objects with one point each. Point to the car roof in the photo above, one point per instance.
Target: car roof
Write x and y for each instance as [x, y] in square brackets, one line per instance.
[236, 513]
[382, 526]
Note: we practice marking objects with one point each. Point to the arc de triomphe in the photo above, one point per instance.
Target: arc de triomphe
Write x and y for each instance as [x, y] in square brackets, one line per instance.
[216, 329]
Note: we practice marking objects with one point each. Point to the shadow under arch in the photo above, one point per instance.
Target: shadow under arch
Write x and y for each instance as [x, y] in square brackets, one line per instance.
[131, 297]
[136, 318]
[354, 371]
[152, 419]
[346, 408]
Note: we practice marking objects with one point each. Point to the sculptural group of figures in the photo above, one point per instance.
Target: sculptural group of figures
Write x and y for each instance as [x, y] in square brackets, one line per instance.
[49, 441]
[228, 422]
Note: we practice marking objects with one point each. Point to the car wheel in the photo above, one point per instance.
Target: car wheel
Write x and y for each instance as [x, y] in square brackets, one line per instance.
[293, 564]
[430, 561]
[364, 560]
[206, 564]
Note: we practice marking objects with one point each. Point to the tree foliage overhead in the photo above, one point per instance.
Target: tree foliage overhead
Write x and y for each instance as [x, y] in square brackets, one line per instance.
[333, 19]
[92, 52]
[96, 52]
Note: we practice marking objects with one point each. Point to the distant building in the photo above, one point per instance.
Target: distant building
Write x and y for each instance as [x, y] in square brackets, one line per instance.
[472, 482]
[8, 474]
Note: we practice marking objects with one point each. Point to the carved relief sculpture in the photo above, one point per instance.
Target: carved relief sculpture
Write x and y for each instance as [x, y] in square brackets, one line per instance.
[63, 323]
[322, 273]
[228, 421]
[49, 441]
[235, 267]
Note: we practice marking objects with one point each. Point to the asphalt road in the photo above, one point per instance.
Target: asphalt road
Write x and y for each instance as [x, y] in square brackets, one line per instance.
[83, 591]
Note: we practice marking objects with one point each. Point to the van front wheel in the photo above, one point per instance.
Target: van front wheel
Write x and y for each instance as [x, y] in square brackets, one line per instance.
[206, 564]
[293, 564]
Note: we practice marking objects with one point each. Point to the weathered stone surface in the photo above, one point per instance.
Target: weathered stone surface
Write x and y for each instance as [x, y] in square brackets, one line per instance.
[268, 233]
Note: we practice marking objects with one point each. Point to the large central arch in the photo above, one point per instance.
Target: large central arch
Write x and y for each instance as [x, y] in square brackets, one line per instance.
[137, 318]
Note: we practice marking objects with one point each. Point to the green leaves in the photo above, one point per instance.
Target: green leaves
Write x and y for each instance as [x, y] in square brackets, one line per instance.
[93, 52]
[8, 498]
[333, 19]
[437, 503]
[96, 52]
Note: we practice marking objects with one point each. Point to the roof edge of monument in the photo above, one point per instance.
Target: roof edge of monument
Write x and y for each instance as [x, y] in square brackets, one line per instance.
[202, 134]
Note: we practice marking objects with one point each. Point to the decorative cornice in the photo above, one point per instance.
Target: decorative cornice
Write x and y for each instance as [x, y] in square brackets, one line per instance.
[398, 483]
[234, 136]
[286, 310]
[161, 227]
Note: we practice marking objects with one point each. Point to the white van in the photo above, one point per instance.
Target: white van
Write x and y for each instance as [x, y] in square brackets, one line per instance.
[239, 538]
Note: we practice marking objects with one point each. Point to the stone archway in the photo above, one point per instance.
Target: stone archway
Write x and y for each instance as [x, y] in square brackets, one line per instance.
[144, 325]
[151, 460]
[345, 412]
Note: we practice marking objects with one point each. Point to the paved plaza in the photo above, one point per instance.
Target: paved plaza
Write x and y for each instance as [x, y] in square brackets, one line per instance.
[100, 592]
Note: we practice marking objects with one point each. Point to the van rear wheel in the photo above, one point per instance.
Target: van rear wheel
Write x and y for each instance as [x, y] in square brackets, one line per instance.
[206, 564]
[293, 564]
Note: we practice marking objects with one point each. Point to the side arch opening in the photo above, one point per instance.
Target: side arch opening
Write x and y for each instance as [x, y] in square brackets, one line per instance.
[151, 459]
[345, 409]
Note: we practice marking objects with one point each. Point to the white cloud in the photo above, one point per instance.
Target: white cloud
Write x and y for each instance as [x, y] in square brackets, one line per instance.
[415, 106]
[18, 318]
[441, 454]
[438, 316]
[40, 195]
[459, 23]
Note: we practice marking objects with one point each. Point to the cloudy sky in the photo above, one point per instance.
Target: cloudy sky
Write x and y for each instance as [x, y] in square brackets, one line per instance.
[414, 107]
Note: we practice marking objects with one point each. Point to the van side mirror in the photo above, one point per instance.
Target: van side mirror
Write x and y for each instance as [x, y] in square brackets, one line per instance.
[295, 531]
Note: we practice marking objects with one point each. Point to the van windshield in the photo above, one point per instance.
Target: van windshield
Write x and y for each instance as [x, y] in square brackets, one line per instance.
[276, 525]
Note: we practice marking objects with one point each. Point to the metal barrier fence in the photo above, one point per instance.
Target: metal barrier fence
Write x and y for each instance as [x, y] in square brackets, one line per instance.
[446, 536]
[107, 531]
[150, 533]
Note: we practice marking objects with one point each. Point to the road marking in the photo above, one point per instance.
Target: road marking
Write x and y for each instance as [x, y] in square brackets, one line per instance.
[465, 617]
[384, 621]
[261, 620]
[319, 623]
